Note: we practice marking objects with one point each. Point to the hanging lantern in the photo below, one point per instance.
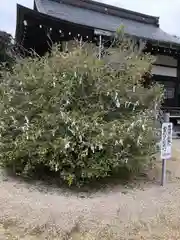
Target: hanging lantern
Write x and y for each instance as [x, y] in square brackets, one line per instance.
[25, 23]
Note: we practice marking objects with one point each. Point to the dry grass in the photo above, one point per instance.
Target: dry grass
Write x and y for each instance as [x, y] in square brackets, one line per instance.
[161, 228]
[33, 212]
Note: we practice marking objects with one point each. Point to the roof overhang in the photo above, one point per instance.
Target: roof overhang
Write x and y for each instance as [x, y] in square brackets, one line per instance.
[108, 18]
[24, 13]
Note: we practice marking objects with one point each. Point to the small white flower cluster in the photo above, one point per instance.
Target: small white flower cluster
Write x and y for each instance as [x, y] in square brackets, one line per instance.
[134, 89]
[139, 139]
[119, 142]
[127, 104]
[14, 120]
[139, 122]
[67, 145]
[117, 100]
[25, 128]
[97, 146]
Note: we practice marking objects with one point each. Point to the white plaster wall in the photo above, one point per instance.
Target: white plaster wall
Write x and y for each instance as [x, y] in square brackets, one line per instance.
[169, 68]
[166, 60]
[164, 71]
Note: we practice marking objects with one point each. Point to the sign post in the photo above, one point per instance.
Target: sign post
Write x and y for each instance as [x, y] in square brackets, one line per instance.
[166, 146]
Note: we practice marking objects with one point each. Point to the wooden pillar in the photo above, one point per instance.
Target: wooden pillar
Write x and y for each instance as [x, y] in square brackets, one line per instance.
[177, 84]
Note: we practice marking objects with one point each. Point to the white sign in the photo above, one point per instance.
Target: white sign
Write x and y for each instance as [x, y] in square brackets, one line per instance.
[102, 32]
[166, 140]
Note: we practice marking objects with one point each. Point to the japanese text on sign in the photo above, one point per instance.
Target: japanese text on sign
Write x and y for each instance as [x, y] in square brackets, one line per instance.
[166, 140]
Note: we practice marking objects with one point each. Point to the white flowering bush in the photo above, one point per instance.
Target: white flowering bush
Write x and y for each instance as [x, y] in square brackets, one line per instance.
[76, 116]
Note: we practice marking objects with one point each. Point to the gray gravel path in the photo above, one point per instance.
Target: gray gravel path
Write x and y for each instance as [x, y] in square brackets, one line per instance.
[32, 207]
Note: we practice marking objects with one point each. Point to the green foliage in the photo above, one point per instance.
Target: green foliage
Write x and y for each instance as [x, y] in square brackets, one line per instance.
[5, 49]
[77, 116]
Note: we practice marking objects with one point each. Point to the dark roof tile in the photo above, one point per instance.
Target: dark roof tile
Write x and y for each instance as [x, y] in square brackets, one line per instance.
[99, 20]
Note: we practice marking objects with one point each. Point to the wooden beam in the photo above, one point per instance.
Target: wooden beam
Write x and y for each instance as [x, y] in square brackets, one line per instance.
[177, 88]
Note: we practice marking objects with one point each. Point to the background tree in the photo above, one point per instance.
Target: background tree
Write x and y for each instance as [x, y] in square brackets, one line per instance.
[77, 116]
[6, 48]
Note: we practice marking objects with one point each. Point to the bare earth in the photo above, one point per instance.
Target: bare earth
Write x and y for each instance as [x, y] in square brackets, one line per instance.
[36, 212]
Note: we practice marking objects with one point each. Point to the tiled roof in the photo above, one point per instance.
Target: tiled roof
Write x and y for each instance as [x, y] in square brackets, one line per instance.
[111, 10]
[105, 21]
[4, 34]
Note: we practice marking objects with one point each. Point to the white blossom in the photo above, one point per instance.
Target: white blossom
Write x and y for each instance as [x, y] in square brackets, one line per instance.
[80, 138]
[134, 88]
[129, 103]
[100, 147]
[118, 103]
[132, 124]
[121, 141]
[102, 132]
[126, 103]
[67, 102]
[139, 140]
[56, 168]
[62, 114]
[72, 123]
[80, 80]
[135, 105]
[116, 143]
[92, 148]
[67, 145]
[27, 120]
[14, 120]
[126, 160]
[23, 128]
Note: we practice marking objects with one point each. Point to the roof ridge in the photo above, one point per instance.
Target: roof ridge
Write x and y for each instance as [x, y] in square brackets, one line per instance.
[112, 10]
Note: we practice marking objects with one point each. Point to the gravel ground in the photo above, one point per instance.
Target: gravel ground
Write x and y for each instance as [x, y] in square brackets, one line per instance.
[36, 212]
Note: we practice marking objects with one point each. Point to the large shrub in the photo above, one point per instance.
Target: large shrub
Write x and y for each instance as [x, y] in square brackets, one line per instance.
[78, 116]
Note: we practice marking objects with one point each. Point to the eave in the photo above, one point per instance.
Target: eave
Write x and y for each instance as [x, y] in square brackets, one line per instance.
[24, 13]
